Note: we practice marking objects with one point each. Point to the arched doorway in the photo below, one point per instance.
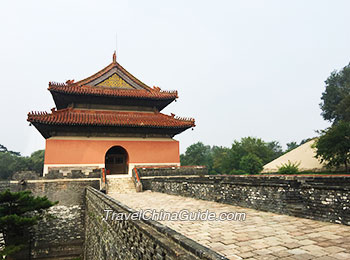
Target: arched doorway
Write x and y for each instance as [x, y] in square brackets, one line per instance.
[116, 160]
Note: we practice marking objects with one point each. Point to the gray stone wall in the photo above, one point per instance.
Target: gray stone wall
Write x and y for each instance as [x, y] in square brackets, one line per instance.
[25, 175]
[73, 172]
[4, 185]
[325, 198]
[172, 171]
[138, 239]
[60, 236]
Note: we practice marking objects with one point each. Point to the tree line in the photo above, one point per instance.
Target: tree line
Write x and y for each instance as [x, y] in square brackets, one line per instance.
[11, 162]
[247, 155]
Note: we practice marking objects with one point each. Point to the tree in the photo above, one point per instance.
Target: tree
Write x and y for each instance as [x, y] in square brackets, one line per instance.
[333, 146]
[291, 146]
[276, 150]
[3, 149]
[265, 151]
[251, 164]
[19, 211]
[305, 141]
[222, 163]
[197, 154]
[36, 161]
[10, 164]
[335, 103]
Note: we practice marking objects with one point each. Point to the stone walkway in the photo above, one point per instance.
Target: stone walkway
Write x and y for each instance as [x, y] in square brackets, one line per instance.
[262, 235]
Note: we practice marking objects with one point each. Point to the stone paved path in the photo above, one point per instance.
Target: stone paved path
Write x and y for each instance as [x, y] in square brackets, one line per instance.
[262, 235]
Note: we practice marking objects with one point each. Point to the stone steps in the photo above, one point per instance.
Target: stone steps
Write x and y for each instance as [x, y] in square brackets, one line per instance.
[120, 185]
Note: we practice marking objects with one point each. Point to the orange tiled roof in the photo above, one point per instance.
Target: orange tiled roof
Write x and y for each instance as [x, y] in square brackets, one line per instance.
[70, 116]
[84, 87]
[114, 64]
[153, 93]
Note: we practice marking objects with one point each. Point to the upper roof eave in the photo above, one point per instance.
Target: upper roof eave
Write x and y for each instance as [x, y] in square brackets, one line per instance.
[156, 94]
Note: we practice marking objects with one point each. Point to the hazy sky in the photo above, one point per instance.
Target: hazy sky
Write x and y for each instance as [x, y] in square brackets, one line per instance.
[242, 68]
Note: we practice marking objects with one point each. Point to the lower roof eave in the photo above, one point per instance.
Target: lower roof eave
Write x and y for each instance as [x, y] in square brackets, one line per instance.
[50, 130]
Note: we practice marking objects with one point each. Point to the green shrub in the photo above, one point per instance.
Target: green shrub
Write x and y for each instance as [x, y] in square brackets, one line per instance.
[289, 168]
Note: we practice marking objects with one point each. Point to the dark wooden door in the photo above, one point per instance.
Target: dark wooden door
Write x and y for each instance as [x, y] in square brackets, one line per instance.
[116, 163]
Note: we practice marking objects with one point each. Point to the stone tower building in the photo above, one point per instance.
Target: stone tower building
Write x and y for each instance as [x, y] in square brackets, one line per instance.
[109, 120]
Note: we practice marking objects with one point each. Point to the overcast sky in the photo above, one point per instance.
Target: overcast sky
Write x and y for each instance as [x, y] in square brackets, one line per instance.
[242, 68]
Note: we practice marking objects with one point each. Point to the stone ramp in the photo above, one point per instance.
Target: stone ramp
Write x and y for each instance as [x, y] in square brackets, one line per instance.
[263, 235]
[120, 185]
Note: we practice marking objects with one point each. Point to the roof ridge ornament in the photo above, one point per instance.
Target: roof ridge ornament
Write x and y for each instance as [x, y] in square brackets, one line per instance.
[57, 84]
[115, 57]
[156, 88]
[70, 81]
